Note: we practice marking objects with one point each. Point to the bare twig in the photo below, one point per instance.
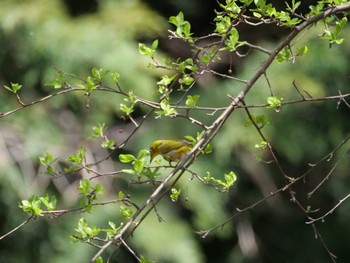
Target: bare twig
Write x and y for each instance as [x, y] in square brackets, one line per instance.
[327, 176]
[313, 220]
[17, 227]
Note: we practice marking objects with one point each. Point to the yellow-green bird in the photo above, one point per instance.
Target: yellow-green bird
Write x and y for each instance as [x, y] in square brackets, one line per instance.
[170, 150]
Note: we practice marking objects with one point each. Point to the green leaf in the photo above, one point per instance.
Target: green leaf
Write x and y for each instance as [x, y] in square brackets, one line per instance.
[84, 186]
[230, 178]
[208, 149]
[115, 76]
[284, 55]
[126, 158]
[139, 164]
[151, 173]
[167, 110]
[274, 102]
[183, 28]
[186, 79]
[31, 206]
[144, 50]
[165, 80]
[143, 259]
[99, 133]
[232, 40]
[192, 100]
[294, 6]
[14, 87]
[111, 232]
[48, 161]
[143, 153]
[99, 260]
[98, 74]
[302, 51]
[191, 139]
[174, 194]
[155, 45]
[177, 20]
[78, 157]
[333, 37]
[148, 51]
[231, 6]
[84, 232]
[257, 15]
[50, 203]
[223, 23]
[126, 212]
[127, 109]
[89, 192]
[108, 144]
[99, 130]
[259, 120]
[262, 145]
[208, 178]
[260, 3]
[90, 84]
[99, 189]
[58, 83]
[121, 195]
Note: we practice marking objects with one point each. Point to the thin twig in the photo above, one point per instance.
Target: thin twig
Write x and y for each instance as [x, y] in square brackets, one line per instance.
[17, 227]
[327, 176]
[313, 220]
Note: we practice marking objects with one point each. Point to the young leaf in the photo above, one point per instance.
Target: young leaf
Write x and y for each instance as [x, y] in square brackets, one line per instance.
[99, 130]
[84, 187]
[174, 194]
[192, 100]
[148, 51]
[48, 161]
[14, 87]
[274, 102]
[115, 76]
[230, 178]
[126, 158]
[232, 40]
[32, 206]
[126, 212]
[50, 203]
[183, 28]
[143, 259]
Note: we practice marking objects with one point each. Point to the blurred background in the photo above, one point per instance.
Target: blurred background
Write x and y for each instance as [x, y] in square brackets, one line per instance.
[38, 37]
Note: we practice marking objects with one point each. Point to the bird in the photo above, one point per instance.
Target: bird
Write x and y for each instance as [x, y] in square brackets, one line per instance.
[170, 150]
